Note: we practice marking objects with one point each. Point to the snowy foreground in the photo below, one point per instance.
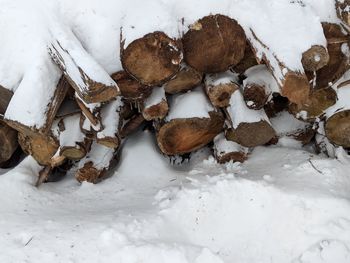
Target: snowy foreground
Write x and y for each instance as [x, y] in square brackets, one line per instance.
[282, 205]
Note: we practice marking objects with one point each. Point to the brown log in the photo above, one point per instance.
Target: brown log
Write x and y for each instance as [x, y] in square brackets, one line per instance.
[41, 147]
[220, 87]
[86, 76]
[15, 159]
[337, 124]
[248, 127]
[186, 79]
[8, 142]
[5, 97]
[156, 106]
[276, 105]
[318, 101]
[131, 89]
[249, 60]
[96, 164]
[132, 125]
[322, 144]
[315, 58]
[214, 43]
[339, 58]
[181, 136]
[152, 59]
[91, 112]
[293, 84]
[343, 12]
[226, 151]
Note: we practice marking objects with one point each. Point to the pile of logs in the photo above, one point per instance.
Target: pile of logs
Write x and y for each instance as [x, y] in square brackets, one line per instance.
[215, 86]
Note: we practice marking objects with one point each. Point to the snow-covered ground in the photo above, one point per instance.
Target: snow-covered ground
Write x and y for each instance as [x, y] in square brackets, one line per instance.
[282, 205]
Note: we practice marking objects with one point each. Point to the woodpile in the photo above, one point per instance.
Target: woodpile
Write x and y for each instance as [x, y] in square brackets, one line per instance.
[218, 86]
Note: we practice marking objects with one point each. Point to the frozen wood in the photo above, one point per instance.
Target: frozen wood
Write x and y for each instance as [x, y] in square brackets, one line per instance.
[337, 124]
[339, 57]
[95, 165]
[219, 88]
[247, 127]
[293, 83]
[87, 77]
[213, 44]
[186, 79]
[315, 58]
[226, 151]
[258, 87]
[343, 11]
[91, 112]
[5, 97]
[131, 89]
[318, 101]
[37, 99]
[276, 105]
[152, 59]
[112, 122]
[156, 105]
[8, 142]
[132, 125]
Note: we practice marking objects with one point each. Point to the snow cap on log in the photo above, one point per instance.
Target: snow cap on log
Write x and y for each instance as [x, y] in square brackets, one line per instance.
[226, 151]
[156, 105]
[214, 43]
[219, 88]
[248, 127]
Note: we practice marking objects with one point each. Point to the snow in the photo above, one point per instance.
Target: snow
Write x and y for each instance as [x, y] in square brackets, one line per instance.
[223, 146]
[110, 118]
[193, 104]
[156, 97]
[99, 155]
[285, 123]
[240, 113]
[274, 208]
[221, 78]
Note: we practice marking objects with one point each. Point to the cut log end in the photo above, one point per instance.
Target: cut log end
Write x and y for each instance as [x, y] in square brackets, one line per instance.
[220, 95]
[214, 44]
[338, 128]
[296, 88]
[89, 174]
[180, 136]
[156, 112]
[152, 59]
[187, 79]
[315, 58]
[110, 142]
[255, 96]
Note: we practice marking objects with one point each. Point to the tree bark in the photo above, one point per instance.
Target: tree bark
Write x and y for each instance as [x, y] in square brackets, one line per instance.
[343, 12]
[214, 44]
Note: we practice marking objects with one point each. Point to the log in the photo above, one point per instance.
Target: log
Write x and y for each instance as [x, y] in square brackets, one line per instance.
[219, 88]
[85, 75]
[249, 60]
[37, 99]
[315, 58]
[15, 159]
[318, 101]
[258, 87]
[186, 79]
[343, 12]
[95, 165]
[226, 151]
[156, 105]
[152, 59]
[339, 56]
[111, 115]
[337, 124]
[73, 142]
[247, 127]
[91, 113]
[276, 105]
[131, 89]
[5, 97]
[132, 125]
[8, 142]
[293, 84]
[191, 124]
[214, 44]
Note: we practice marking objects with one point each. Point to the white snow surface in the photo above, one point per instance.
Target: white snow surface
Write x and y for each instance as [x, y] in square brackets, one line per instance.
[274, 208]
[221, 78]
[224, 146]
[240, 113]
[156, 97]
[110, 118]
[192, 104]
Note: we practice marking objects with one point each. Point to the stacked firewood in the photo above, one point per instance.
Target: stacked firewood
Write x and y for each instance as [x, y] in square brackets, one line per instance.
[218, 85]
